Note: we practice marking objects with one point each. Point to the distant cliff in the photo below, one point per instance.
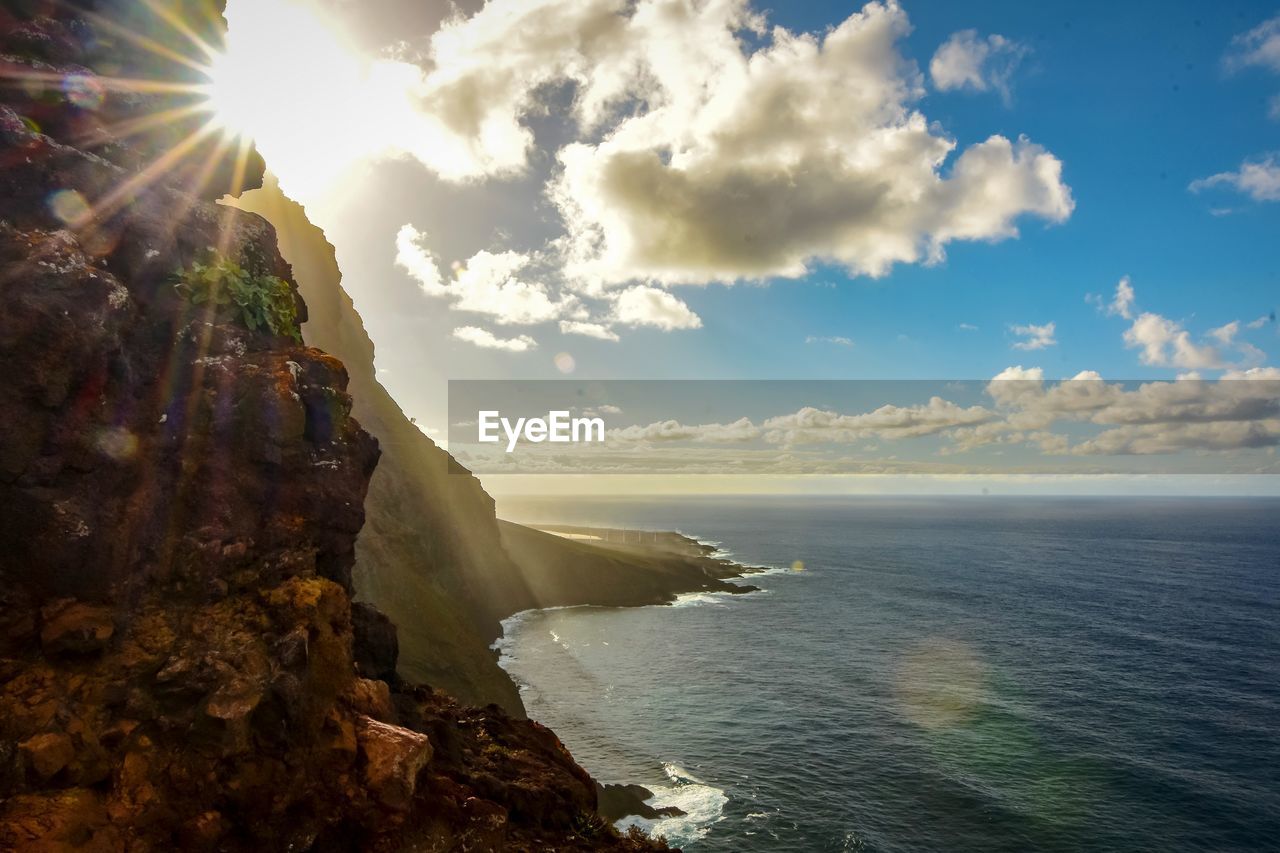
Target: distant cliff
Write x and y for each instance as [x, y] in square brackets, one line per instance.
[181, 666]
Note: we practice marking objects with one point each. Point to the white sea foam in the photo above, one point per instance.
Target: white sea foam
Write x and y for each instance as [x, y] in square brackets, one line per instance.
[702, 804]
[702, 599]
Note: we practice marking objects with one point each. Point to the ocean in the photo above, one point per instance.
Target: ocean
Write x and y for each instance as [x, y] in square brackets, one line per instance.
[946, 674]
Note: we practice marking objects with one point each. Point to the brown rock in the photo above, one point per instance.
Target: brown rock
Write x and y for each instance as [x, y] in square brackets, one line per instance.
[233, 701]
[56, 822]
[47, 753]
[373, 699]
[72, 627]
[393, 756]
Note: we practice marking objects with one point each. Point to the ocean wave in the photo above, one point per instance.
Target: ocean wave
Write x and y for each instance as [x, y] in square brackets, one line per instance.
[702, 804]
[701, 599]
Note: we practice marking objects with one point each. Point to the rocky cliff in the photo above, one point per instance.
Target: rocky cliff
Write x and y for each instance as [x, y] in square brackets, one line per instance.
[181, 666]
[432, 555]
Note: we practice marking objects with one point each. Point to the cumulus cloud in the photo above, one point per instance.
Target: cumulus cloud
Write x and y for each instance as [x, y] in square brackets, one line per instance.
[1151, 418]
[1165, 343]
[1165, 438]
[642, 305]
[969, 61]
[1258, 179]
[487, 340]
[749, 164]
[838, 340]
[487, 283]
[1035, 337]
[705, 146]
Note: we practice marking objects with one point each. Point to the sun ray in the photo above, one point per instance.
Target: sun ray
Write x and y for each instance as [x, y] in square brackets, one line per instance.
[119, 131]
[144, 42]
[121, 195]
[181, 26]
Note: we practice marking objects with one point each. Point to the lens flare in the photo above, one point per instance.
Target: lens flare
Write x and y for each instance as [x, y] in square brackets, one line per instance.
[565, 363]
[84, 91]
[70, 208]
[941, 684]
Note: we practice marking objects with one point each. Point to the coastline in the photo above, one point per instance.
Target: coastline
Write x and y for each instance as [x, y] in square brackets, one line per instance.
[686, 571]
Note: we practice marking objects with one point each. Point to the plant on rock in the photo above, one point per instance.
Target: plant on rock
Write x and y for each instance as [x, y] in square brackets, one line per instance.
[265, 301]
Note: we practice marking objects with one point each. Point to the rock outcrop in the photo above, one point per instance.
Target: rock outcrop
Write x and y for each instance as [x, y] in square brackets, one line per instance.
[181, 666]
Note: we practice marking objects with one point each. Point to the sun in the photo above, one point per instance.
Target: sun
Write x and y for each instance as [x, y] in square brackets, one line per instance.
[288, 80]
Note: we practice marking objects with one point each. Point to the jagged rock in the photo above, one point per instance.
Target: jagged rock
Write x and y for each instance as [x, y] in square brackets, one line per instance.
[71, 627]
[614, 802]
[393, 756]
[47, 753]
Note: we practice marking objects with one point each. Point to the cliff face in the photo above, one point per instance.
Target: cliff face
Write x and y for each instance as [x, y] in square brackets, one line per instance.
[430, 554]
[181, 666]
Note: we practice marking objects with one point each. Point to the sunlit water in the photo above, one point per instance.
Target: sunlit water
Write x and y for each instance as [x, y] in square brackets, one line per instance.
[946, 674]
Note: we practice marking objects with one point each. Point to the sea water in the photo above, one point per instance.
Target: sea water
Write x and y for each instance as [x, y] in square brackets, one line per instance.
[945, 674]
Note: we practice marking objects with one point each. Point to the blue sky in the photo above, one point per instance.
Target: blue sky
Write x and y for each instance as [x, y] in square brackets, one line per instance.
[1135, 101]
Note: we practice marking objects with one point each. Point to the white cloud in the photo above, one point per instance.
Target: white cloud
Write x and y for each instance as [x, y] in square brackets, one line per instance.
[1261, 321]
[1036, 337]
[968, 61]
[1226, 334]
[1255, 373]
[967, 327]
[746, 165]
[705, 146]
[838, 340]
[652, 306]
[1164, 438]
[590, 330]
[810, 425]
[1259, 47]
[487, 340]
[1258, 179]
[1121, 305]
[1165, 343]
[487, 283]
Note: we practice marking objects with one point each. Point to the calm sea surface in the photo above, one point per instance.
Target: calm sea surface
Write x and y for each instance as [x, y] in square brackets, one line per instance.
[945, 674]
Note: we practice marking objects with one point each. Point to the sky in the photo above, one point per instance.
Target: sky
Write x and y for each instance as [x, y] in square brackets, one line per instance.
[671, 189]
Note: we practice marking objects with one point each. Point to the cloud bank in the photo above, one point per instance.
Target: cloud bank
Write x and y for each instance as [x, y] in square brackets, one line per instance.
[707, 147]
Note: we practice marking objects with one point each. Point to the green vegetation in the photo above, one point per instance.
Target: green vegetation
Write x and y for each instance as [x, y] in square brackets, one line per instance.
[265, 301]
